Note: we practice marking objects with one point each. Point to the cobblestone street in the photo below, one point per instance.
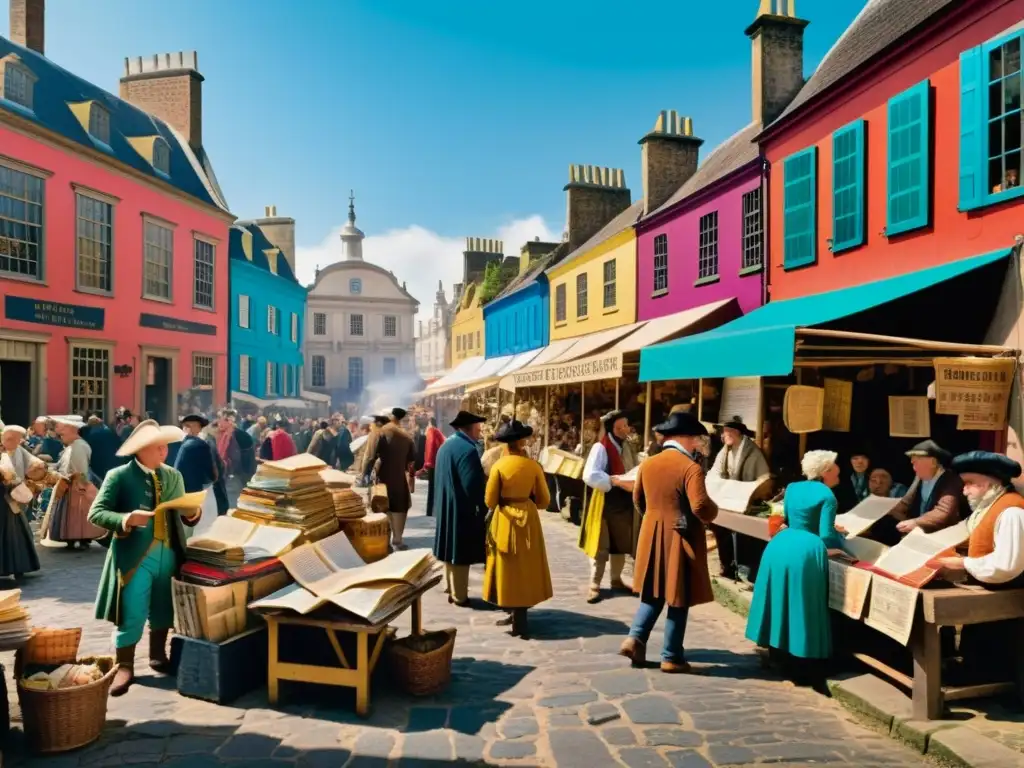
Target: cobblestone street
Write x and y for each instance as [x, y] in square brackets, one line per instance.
[563, 698]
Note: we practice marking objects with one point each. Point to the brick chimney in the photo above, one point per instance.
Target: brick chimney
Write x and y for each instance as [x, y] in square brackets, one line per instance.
[168, 86]
[478, 254]
[594, 196]
[777, 45]
[533, 250]
[668, 158]
[279, 230]
[28, 26]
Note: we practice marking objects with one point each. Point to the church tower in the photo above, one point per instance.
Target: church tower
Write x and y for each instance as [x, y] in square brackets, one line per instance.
[351, 236]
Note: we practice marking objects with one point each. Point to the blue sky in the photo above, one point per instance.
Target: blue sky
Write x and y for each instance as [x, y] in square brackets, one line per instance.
[448, 118]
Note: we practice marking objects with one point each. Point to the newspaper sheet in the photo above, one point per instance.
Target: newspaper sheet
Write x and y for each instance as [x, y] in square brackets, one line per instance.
[865, 550]
[865, 514]
[917, 548]
[848, 588]
[733, 495]
[186, 503]
[891, 608]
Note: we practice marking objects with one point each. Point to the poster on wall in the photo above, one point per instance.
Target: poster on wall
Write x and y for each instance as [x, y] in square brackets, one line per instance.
[741, 396]
[838, 405]
[976, 389]
[908, 417]
[803, 409]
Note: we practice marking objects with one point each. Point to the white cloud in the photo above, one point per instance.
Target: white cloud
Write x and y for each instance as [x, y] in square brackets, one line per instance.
[419, 256]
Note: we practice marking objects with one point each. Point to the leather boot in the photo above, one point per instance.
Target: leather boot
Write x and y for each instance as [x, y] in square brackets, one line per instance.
[520, 624]
[634, 650]
[158, 660]
[125, 675]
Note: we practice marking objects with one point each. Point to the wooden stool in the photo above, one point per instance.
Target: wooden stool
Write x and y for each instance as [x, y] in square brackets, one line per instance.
[370, 536]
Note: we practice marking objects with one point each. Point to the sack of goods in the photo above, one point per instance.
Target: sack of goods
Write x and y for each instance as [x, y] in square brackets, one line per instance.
[64, 676]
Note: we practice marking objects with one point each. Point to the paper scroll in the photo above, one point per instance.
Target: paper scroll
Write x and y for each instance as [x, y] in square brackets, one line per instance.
[891, 609]
[741, 396]
[733, 495]
[848, 588]
[803, 409]
[977, 389]
[838, 405]
[908, 417]
[909, 559]
[865, 514]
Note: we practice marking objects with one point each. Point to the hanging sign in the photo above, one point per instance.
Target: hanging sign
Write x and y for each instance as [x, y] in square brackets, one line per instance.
[838, 404]
[741, 396]
[596, 368]
[53, 313]
[803, 409]
[976, 389]
[908, 417]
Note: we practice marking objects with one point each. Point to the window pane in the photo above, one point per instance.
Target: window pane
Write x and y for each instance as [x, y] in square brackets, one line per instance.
[204, 258]
[93, 244]
[21, 218]
[90, 374]
[159, 248]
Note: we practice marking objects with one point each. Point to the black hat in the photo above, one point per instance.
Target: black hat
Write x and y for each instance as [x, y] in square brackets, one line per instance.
[1002, 468]
[932, 449]
[736, 423]
[398, 413]
[465, 419]
[380, 419]
[199, 419]
[611, 417]
[681, 425]
[514, 430]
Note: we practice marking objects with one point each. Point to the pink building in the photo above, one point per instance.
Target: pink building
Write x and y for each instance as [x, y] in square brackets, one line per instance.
[113, 237]
[701, 238]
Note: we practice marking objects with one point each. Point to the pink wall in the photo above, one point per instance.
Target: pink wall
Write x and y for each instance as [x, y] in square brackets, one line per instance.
[681, 225]
[122, 310]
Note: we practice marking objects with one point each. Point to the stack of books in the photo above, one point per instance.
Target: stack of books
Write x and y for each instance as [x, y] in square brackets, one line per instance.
[290, 494]
[232, 541]
[14, 630]
[348, 504]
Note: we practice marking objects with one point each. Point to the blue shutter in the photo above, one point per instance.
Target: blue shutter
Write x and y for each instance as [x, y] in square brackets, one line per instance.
[908, 160]
[848, 187]
[972, 191]
[799, 228]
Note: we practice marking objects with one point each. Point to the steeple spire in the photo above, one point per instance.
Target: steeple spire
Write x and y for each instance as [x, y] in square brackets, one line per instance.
[352, 207]
[351, 237]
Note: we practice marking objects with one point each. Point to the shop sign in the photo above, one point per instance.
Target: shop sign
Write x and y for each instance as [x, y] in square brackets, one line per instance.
[976, 389]
[29, 310]
[163, 323]
[908, 417]
[596, 368]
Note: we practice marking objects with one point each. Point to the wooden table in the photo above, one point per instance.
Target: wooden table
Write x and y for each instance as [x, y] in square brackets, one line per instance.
[346, 675]
[746, 525]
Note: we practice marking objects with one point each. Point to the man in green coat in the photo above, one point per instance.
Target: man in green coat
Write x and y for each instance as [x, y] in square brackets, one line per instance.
[146, 550]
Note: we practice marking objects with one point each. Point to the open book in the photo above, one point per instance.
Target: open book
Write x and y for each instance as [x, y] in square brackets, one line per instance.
[868, 512]
[735, 495]
[907, 562]
[232, 540]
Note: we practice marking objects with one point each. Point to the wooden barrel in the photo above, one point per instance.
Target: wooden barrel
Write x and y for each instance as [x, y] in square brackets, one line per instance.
[371, 535]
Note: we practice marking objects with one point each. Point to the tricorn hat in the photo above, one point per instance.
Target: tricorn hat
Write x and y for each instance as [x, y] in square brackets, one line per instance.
[1002, 468]
[611, 417]
[397, 413]
[932, 449]
[736, 422]
[514, 430]
[465, 419]
[681, 425]
[149, 433]
[381, 419]
[198, 418]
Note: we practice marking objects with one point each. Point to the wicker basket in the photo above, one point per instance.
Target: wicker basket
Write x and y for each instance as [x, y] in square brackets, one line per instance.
[69, 718]
[370, 536]
[422, 664]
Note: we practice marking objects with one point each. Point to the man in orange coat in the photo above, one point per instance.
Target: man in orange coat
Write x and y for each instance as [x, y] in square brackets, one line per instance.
[671, 559]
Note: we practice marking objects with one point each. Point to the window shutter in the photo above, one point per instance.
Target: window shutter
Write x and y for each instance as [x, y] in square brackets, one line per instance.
[972, 191]
[848, 187]
[800, 184]
[908, 160]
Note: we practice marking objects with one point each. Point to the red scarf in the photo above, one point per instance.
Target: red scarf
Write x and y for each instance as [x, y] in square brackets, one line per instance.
[281, 444]
[615, 465]
[434, 440]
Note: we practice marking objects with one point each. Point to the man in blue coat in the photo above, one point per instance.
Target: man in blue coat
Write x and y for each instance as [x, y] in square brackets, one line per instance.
[459, 539]
[195, 459]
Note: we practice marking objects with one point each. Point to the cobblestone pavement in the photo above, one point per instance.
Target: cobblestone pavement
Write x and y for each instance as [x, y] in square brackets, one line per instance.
[563, 698]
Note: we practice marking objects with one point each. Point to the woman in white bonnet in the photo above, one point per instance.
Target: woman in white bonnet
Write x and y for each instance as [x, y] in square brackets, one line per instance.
[22, 475]
[789, 612]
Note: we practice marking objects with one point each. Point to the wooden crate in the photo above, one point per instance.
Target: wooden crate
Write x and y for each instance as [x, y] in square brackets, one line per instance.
[221, 672]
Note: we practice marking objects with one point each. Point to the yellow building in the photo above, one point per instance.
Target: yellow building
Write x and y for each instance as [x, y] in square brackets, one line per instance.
[594, 288]
[468, 326]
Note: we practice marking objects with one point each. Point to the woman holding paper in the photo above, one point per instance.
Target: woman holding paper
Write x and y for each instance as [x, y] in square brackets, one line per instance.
[789, 611]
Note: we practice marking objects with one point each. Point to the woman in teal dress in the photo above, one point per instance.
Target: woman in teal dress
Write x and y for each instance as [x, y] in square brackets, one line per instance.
[789, 611]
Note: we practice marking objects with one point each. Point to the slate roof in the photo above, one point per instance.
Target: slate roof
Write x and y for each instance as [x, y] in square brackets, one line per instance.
[621, 222]
[732, 154]
[540, 265]
[879, 25]
[260, 243]
[55, 88]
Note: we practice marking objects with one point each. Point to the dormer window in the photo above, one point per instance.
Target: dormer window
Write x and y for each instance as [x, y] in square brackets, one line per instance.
[19, 82]
[99, 124]
[162, 157]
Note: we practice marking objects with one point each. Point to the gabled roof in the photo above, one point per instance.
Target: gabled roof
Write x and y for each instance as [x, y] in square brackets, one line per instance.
[879, 25]
[56, 88]
[530, 276]
[258, 248]
[731, 155]
[619, 223]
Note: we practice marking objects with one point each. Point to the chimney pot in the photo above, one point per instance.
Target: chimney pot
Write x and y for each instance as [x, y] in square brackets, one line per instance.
[168, 86]
[777, 53]
[28, 24]
[669, 157]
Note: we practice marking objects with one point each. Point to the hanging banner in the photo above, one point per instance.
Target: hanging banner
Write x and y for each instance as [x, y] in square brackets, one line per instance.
[741, 396]
[977, 389]
[604, 366]
[803, 409]
[908, 417]
[838, 404]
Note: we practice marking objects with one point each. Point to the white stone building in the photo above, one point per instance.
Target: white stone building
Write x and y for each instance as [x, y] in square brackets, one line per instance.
[359, 328]
[433, 336]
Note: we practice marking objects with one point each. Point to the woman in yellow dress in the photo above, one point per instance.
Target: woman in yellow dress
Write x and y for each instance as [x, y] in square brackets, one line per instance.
[517, 575]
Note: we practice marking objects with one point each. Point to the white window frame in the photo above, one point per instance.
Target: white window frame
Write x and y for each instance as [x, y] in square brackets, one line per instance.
[103, 354]
[201, 362]
[244, 362]
[244, 310]
[582, 296]
[272, 325]
[201, 244]
[92, 230]
[25, 182]
[271, 388]
[295, 328]
[610, 293]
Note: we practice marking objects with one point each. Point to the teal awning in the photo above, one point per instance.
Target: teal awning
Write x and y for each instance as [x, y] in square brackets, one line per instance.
[761, 343]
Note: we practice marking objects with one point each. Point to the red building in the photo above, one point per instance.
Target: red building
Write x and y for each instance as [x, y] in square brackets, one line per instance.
[903, 149]
[113, 237]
